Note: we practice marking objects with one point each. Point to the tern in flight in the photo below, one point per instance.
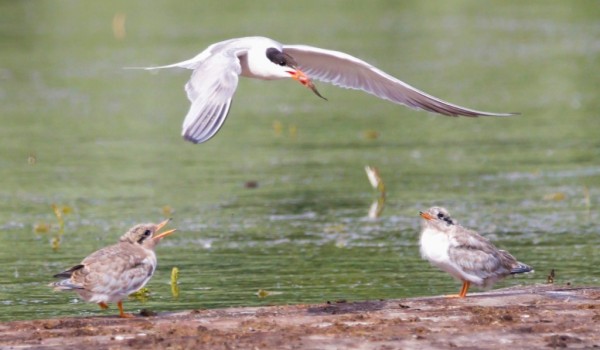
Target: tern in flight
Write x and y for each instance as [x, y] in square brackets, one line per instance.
[216, 71]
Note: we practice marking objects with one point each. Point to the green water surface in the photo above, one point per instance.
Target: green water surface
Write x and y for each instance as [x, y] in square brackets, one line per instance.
[79, 131]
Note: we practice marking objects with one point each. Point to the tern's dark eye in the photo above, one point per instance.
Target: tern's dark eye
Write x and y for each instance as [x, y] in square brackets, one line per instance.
[280, 58]
[440, 215]
[275, 56]
[147, 233]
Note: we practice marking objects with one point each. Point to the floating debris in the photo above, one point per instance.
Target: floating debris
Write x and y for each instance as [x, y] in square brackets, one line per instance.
[293, 130]
[251, 184]
[340, 232]
[335, 228]
[341, 241]
[175, 282]
[147, 313]
[55, 243]
[58, 212]
[42, 228]
[141, 295]
[375, 178]
[371, 134]
[550, 277]
[118, 25]
[263, 293]
[557, 196]
[65, 210]
[586, 197]
[377, 206]
[167, 211]
[277, 127]
[31, 159]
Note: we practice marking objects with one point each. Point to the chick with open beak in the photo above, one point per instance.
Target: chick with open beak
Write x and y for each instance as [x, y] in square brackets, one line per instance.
[112, 273]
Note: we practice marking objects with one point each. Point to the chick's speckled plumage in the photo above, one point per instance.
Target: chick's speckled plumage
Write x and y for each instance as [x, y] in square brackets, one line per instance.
[112, 273]
[464, 253]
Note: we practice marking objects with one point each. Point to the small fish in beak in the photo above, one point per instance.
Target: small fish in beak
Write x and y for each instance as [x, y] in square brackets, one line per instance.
[303, 79]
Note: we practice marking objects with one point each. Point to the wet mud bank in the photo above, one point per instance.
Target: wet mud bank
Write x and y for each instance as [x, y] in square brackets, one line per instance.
[543, 316]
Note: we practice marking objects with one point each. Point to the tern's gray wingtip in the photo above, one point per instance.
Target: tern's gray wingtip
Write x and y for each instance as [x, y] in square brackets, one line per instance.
[487, 114]
[190, 139]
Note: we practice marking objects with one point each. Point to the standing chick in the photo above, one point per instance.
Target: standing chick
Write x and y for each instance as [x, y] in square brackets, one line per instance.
[110, 274]
[463, 253]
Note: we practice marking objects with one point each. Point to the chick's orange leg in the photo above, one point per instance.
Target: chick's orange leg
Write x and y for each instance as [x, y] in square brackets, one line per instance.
[463, 291]
[121, 313]
[103, 305]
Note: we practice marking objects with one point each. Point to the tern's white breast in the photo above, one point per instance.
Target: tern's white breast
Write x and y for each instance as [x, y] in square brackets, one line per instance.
[434, 246]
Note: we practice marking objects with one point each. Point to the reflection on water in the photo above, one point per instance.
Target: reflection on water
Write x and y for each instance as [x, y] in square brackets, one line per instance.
[377, 206]
[277, 201]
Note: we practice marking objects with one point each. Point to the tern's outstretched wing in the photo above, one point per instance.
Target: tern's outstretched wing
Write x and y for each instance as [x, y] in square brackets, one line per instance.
[347, 71]
[210, 90]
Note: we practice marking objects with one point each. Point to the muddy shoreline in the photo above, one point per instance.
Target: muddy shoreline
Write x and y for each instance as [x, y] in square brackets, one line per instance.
[542, 316]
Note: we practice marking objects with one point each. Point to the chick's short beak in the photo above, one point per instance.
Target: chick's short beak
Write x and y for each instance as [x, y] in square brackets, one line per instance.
[426, 216]
[164, 234]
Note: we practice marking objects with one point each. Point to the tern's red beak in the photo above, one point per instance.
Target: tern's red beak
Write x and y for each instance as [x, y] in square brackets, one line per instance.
[164, 234]
[426, 216]
[303, 79]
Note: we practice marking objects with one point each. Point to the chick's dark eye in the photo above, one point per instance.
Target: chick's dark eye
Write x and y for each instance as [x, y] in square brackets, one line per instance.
[147, 233]
[440, 215]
